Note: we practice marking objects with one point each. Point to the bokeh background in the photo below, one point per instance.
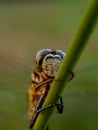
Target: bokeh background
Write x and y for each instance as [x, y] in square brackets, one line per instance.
[25, 28]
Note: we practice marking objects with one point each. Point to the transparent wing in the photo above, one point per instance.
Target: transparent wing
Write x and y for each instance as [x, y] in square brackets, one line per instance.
[14, 73]
[11, 60]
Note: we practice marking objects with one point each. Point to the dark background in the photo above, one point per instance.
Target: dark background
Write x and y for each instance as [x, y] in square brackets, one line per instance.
[25, 28]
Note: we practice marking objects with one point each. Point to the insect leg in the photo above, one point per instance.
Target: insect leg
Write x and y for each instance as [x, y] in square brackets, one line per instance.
[60, 105]
[71, 75]
[44, 82]
[39, 109]
[38, 106]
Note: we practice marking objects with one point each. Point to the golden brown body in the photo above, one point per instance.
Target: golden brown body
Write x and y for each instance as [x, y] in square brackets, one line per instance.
[34, 93]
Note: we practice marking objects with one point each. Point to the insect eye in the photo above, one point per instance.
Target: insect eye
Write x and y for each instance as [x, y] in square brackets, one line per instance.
[61, 53]
[48, 53]
[40, 56]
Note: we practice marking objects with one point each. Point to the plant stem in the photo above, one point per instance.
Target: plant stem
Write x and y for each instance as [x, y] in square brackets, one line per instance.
[73, 53]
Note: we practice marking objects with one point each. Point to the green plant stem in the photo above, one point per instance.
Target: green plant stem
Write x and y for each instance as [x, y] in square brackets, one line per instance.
[74, 51]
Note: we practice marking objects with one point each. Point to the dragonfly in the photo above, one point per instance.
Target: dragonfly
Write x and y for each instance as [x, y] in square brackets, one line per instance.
[46, 65]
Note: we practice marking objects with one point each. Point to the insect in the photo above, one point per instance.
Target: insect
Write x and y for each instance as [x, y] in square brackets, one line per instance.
[46, 65]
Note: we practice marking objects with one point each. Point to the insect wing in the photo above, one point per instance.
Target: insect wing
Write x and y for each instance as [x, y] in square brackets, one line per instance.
[15, 72]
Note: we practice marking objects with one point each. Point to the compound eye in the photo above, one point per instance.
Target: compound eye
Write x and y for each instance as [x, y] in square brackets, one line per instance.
[40, 56]
[61, 53]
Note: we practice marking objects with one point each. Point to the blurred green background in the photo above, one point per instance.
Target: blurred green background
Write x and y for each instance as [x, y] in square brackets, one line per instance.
[25, 28]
